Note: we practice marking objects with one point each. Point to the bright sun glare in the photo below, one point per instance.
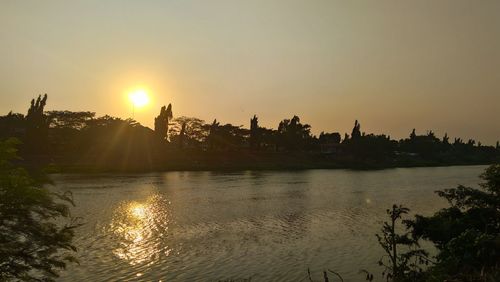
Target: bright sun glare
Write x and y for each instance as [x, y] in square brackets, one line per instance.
[138, 211]
[139, 98]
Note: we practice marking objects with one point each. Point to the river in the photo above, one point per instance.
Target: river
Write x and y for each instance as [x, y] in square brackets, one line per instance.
[262, 225]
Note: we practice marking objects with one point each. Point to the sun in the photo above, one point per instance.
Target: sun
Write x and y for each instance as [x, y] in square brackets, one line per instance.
[139, 98]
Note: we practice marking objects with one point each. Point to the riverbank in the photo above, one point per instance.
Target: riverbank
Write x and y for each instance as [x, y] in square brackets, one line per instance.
[231, 161]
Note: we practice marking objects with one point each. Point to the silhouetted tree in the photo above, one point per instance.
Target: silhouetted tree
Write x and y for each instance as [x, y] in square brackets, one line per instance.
[195, 131]
[65, 128]
[368, 149]
[356, 131]
[226, 136]
[293, 135]
[109, 142]
[268, 138]
[162, 122]
[68, 119]
[12, 125]
[446, 139]
[471, 142]
[467, 232]
[413, 134]
[425, 146]
[34, 241]
[346, 138]
[37, 125]
[255, 133]
[329, 142]
[371, 148]
[403, 252]
[212, 137]
[333, 138]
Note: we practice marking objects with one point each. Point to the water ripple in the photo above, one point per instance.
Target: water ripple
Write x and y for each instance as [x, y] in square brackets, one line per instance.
[202, 226]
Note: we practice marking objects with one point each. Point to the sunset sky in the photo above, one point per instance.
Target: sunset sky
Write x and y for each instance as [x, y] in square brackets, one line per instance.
[393, 65]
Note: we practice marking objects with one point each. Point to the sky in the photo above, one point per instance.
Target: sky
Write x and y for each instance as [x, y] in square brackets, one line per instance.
[393, 65]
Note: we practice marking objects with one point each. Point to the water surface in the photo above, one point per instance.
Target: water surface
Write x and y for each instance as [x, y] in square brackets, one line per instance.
[267, 226]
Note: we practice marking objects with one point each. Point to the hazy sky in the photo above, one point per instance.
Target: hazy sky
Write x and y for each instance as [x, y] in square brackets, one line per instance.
[394, 65]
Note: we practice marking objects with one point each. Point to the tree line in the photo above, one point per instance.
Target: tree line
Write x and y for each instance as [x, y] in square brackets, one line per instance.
[65, 134]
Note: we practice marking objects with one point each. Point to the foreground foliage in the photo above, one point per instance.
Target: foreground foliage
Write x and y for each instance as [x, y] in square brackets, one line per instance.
[404, 257]
[467, 233]
[32, 244]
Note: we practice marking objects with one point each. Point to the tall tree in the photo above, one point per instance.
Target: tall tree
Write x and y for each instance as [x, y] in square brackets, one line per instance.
[356, 131]
[162, 122]
[255, 133]
[37, 125]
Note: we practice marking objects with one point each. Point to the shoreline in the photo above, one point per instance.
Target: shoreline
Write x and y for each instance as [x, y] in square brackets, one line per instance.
[94, 170]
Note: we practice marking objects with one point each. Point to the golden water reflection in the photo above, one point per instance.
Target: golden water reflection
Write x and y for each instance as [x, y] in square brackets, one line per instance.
[140, 230]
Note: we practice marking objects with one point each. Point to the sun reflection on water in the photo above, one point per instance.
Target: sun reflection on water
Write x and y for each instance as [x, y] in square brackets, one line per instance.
[138, 210]
[139, 229]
